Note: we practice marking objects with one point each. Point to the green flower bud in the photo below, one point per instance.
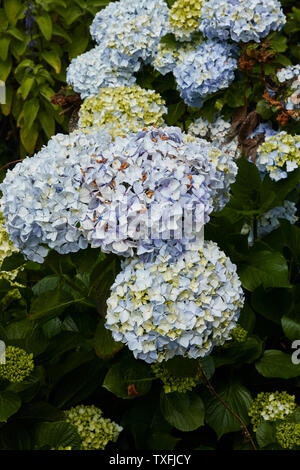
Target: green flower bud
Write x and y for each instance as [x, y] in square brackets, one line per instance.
[19, 364]
[94, 430]
[6, 249]
[239, 334]
[173, 383]
[269, 406]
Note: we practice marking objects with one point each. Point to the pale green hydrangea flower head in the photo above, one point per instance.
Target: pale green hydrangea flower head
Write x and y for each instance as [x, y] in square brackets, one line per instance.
[122, 109]
[184, 17]
[171, 383]
[288, 435]
[94, 430]
[19, 365]
[269, 406]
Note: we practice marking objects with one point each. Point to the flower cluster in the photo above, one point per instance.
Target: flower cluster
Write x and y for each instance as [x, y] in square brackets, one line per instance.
[122, 109]
[269, 406]
[94, 430]
[162, 309]
[288, 435]
[244, 20]
[279, 155]
[42, 198]
[205, 70]
[184, 17]
[143, 184]
[290, 77]
[172, 383]
[168, 55]
[133, 29]
[217, 133]
[18, 365]
[99, 68]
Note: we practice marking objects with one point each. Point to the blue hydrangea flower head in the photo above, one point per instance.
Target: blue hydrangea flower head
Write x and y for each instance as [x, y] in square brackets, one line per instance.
[142, 184]
[100, 67]
[132, 28]
[205, 70]
[241, 20]
[43, 199]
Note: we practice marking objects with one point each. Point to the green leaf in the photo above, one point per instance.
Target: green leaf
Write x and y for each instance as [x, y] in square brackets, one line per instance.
[13, 262]
[239, 353]
[182, 367]
[105, 346]
[29, 137]
[5, 68]
[4, 45]
[291, 325]
[31, 109]
[16, 33]
[219, 418]
[175, 112]
[264, 110]
[127, 373]
[45, 25]
[13, 9]
[266, 434]
[272, 303]
[9, 405]
[52, 57]
[277, 364]
[184, 411]
[162, 441]
[79, 43]
[264, 267]
[26, 86]
[47, 122]
[50, 304]
[57, 434]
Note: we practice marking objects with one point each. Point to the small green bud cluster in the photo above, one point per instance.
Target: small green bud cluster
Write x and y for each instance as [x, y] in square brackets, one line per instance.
[94, 430]
[173, 383]
[19, 364]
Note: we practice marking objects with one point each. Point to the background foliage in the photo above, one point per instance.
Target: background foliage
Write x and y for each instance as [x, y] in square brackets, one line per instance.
[59, 315]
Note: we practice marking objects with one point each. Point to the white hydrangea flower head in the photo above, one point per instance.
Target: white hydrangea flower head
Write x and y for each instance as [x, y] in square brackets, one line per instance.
[241, 20]
[290, 76]
[184, 18]
[279, 155]
[43, 199]
[142, 184]
[100, 67]
[122, 109]
[186, 307]
[208, 68]
[6, 249]
[132, 28]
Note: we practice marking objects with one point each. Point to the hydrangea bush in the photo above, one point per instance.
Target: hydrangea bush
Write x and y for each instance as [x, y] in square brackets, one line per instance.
[150, 249]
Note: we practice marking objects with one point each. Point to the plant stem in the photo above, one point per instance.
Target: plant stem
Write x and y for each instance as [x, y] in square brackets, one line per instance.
[213, 392]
